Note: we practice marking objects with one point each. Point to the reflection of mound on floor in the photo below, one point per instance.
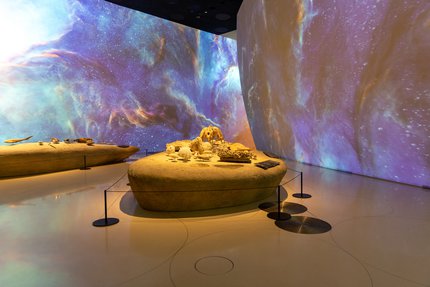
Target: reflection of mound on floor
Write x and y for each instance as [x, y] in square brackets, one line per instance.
[129, 206]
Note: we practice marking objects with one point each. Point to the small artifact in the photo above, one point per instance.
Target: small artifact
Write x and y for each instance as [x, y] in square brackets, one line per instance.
[235, 153]
[179, 144]
[173, 156]
[238, 147]
[90, 142]
[17, 140]
[207, 146]
[170, 149]
[40, 143]
[55, 141]
[185, 153]
[82, 140]
[67, 141]
[205, 156]
[211, 133]
[196, 145]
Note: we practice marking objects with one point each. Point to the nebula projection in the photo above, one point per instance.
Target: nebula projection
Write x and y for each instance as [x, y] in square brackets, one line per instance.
[340, 84]
[90, 68]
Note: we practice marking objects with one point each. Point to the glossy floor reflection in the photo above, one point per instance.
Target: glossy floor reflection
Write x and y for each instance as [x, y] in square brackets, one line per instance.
[379, 236]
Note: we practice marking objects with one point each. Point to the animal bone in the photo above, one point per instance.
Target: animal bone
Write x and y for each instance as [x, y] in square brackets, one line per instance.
[17, 140]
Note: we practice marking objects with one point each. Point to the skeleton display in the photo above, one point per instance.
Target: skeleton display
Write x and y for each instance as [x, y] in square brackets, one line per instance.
[204, 147]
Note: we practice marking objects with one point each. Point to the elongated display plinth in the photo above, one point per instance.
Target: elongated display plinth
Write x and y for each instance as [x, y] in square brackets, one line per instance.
[33, 158]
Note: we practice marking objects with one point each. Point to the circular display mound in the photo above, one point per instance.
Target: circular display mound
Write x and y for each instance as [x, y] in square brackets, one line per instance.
[161, 183]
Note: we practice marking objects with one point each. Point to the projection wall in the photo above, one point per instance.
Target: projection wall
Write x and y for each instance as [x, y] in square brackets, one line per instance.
[89, 68]
[340, 84]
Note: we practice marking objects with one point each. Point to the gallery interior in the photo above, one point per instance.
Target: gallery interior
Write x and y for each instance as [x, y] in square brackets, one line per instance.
[181, 144]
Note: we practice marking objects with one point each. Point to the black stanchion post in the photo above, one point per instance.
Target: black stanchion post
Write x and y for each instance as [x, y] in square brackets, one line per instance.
[85, 163]
[301, 194]
[279, 202]
[106, 221]
[301, 183]
[279, 215]
[105, 199]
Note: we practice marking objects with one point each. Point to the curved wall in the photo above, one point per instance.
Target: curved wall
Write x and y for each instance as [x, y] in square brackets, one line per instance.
[89, 68]
[340, 84]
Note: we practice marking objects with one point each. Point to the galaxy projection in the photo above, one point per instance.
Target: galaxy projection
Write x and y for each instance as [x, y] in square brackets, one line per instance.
[90, 68]
[340, 84]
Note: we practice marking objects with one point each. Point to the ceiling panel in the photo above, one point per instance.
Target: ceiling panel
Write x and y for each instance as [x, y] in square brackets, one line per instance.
[214, 16]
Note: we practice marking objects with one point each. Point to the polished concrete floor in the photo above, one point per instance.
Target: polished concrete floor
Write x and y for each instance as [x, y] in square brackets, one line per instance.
[380, 235]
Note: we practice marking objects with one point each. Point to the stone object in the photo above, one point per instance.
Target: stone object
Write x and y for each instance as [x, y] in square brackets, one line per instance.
[196, 145]
[179, 144]
[170, 149]
[163, 185]
[235, 153]
[185, 153]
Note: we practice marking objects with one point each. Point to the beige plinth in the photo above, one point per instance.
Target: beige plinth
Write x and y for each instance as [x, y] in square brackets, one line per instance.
[160, 184]
[32, 158]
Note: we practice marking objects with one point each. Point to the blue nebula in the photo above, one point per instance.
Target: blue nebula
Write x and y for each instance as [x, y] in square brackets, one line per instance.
[116, 75]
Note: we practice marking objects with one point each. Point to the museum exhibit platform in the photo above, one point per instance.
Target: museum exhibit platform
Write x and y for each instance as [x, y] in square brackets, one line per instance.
[36, 158]
[162, 184]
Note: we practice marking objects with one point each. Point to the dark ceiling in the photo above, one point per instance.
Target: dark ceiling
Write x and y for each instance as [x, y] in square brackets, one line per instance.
[214, 16]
